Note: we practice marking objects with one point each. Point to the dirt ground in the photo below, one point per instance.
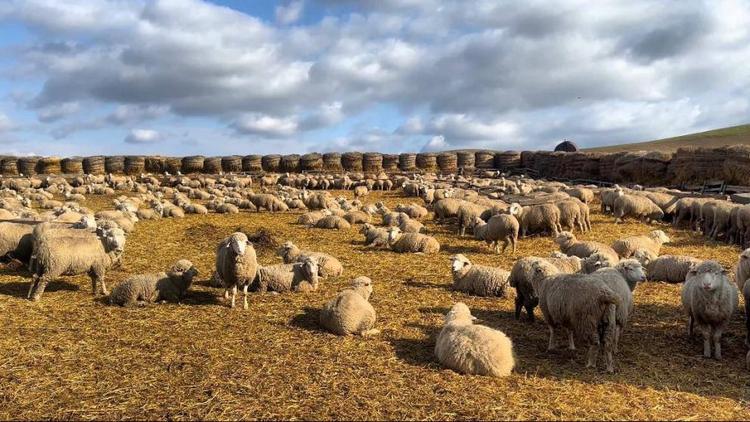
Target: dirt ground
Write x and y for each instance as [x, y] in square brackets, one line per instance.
[74, 357]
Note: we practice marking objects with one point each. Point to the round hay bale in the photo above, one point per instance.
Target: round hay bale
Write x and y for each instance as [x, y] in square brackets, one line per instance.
[231, 164]
[173, 165]
[407, 161]
[372, 162]
[332, 161]
[466, 159]
[352, 161]
[93, 165]
[311, 162]
[212, 165]
[72, 165]
[527, 159]
[155, 164]
[271, 163]
[27, 165]
[484, 160]
[114, 164]
[390, 162]
[9, 166]
[252, 163]
[427, 161]
[448, 162]
[566, 146]
[290, 163]
[135, 164]
[507, 160]
[49, 165]
[193, 164]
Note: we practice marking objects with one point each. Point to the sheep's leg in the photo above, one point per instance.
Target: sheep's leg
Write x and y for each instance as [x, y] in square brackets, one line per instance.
[717, 342]
[690, 326]
[370, 332]
[32, 285]
[747, 323]
[552, 345]
[519, 305]
[616, 345]
[513, 242]
[244, 294]
[39, 290]
[593, 354]
[571, 341]
[226, 294]
[234, 294]
[706, 332]
[530, 310]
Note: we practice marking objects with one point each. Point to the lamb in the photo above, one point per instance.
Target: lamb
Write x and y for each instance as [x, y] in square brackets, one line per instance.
[537, 218]
[478, 280]
[742, 269]
[374, 236]
[585, 307]
[327, 264]
[709, 299]
[652, 243]
[350, 312]
[500, 227]
[140, 290]
[411, 242]
[668, 268]
[297, 277]
[569, 245]
[82, 253]
[638, 207]
[473, 349]
[236, 265]
[332, 222]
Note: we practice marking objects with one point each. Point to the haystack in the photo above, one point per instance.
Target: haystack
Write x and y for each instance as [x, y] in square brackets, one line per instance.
[332, 161]
[93, 165]
[390, 162]
[231, 164]
[9, 166]
[173, 165]
[114, 164]
[311, 162]
[290, 163]
[49, 165]
[407, 161]
[252, 163]
[72, 165]
[27, 165]
[352, 161]
[507, 160]
[135, 164]
[372, 162]
[193, 164]
[155, 164]
[427, 161]
[484, 160]
[466, 159]
[271, 163]
[212, 165]
[447, 162]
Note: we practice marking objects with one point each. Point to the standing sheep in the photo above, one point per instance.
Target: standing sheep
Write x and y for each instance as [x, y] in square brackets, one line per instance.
[297, 277]
[411, 242]
[351, 312]
[537, 218]
[473, 349]
[236, 265]
[742, 269]
[638, 207]
[652, 243]
[522, 278]
[709, 299]
[500, 227]
[478, 280]
[149, 288]
[467, 213]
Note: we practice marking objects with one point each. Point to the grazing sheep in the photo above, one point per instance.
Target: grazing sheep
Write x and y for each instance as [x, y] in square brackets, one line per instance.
[569, 245]
[473, 349]
[652, 243]
[636, 206]
[374, 236]
[742, 269]
[297, 277]
[585, 307]
[467, 214]
[350, 312]
[709, 299]
[149, 288]
[478, 280]
[58, 254]
[327, 264]
[500, 227]
[16, 240]
[537, 218]
[668, 268]
[411, 242]
[746, 295]
[585, 195]
[332, 222]
[446, 208]
[571, 215]
[236, 265]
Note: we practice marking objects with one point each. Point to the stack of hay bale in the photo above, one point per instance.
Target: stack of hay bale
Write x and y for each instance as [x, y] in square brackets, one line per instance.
[427, 161]
[271, 163]
[212, 165]
[193, 164]
[466, 160]
[642, 167]
[311, 162]
[508, 160]
[156, 164]
[332, 161]
[27, 165]
[252, 163]
[93, 165]
[407, 161]
[352, 161]
[72, 165]
[290, 163]
[372, 162]
[49, 165]
[447, 162]
[114, 164]
[737, 165]
[231, 164]
[484, 160]
[135, 164]
[173, 165]
[390, 162]
[9, 166]
[699, 164]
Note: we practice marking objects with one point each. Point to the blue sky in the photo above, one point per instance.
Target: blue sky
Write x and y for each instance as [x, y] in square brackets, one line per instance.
[180, 77]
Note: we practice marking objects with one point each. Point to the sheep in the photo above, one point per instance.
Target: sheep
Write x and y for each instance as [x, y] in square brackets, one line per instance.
[332, 222]
[652, 243]
[569, 245]
[297, 277]
[668, 268]
[409, 225]
[565, 263]
[89, 253]
[466, 215]
[537, 218]
[196, 209]
[236, 265]
[374, 236]
[473, 349]
[585, 195]
[583, 305]
[571, 215]
[16, 240]
[685, 209]
[446, 208]
[500, 227]
[411, 242]
[327, 264]
[742, 269]
[357, 217]
[746, 296]
[522, 279]
[312, 217]
[360, 191]
[350, 312]
[227, 208]
[709, 300]
[149, 288]
[478, 280]
[597, 261]
[608, 198]
[636, 206]
[413, 210]
[268, 202]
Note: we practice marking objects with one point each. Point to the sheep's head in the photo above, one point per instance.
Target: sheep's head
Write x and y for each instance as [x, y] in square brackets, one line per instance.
[708, 275]
[460, 263]
[113, 238]
[365, 228]
[310, 269]
[86, 222]
[596, 261]
[565, 238]
[541, 269]
[363, 285]
[745, 256]
[660, 236]
[184, 269]
[644, 257]
[633, 272]
[515, 209]
[287, 248]
[239, 243]
[394, 233]
[478, 222]
[459, 313]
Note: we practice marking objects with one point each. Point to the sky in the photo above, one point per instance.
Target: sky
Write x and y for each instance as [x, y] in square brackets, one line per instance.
[183, 77]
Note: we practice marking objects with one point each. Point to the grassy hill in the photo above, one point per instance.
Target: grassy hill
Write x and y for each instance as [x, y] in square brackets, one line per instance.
[712, 138]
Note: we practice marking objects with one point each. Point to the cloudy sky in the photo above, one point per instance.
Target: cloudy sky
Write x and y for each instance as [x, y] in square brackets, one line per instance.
[256, 76]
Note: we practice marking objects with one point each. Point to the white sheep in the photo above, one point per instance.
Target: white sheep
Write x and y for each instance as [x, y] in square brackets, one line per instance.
[168, 286]
[522, 277]
[478, 280]
[473, 349]
[636, 206]
[374, 236]
[569, 245]
[350, 312]
[742, 269]
[668, 268]
[236, 265]
[652, 243]
[327, 265]
[709, 299]
[411, 242]
[500, 227]
[297, 277]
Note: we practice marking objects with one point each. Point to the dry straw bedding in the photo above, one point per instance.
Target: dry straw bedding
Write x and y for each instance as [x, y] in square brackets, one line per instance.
[72, 357]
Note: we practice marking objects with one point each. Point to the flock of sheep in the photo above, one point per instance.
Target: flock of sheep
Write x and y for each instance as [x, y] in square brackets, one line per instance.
[584, 291]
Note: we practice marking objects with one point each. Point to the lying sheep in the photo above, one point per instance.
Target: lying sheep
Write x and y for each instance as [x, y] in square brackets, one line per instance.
[597, 261]
[500, 227]
[268, 202]
[297, 277]
[357, 217]
[83, 253]
[409, 225]
[569, 245]
[478, 280]
[411, 242]
[413, 210]
[312, 217]
[150, 288]
[374, 236]
[360, 192]
[473, 349]
[709, 299]
[638, 207]
[652, 243]
[332, 222]
[350, 312]
[236, 265]
[668, 268]
[328, 266]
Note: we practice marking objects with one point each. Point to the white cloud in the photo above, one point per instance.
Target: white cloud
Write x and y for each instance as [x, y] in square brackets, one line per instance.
[6, 124]
[143, 136]
[265, 125]
[290, 12]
